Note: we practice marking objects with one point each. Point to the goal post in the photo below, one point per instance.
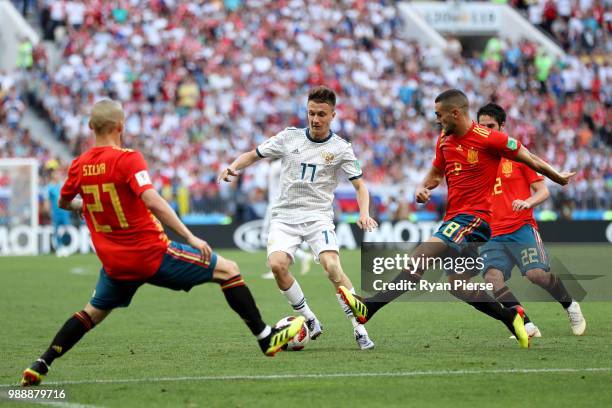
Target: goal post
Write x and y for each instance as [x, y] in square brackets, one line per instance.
[19, 195]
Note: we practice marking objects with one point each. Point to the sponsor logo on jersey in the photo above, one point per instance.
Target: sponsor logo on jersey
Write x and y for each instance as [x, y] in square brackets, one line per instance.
[296, 151]
[472, 156]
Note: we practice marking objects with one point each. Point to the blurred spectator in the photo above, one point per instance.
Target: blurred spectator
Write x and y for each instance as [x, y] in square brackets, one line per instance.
[24, 54]
[12, 109]
[59, 217]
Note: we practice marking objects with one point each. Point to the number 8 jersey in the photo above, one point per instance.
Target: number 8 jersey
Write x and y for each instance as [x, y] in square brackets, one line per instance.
[470, 167]
[128, 239]
[309, 174]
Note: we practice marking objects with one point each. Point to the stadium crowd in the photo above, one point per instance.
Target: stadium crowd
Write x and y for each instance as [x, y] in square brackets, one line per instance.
[15, 139]
[202, 81]
[579, 26]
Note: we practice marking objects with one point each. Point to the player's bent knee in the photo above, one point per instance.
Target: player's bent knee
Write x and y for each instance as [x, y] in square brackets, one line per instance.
[96, 315]
[331, 265]
[538, 276]
[225, 269]
[329, 260]
[279, 263]
[279, 269]
[495, 277]
[334, 273]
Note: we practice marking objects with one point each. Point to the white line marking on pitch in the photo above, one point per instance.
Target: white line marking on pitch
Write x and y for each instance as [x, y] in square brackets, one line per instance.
[290, 376]
[62, 404]
[77, 270]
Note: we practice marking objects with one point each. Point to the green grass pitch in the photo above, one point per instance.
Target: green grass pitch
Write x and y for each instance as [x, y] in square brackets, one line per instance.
[172, 349]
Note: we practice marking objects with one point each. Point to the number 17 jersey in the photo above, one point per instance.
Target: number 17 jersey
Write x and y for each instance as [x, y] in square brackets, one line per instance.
[128, 239]
[309, 173]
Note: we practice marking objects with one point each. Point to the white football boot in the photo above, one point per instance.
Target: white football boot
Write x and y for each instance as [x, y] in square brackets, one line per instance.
[361, 337]
[363, 340]
[577, 322]
[315, 328]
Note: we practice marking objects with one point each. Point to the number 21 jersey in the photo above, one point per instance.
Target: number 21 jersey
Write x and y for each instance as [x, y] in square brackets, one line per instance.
[128, 239]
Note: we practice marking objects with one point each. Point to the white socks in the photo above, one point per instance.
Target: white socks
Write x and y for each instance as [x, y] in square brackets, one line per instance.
[296, 299]
[265, 333]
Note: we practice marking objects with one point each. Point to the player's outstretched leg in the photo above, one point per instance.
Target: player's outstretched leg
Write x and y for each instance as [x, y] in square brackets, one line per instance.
[553, 285]
[508, 300]
[364, 309]
[355, 303]
[483, 302]
[330, 261]
[71, 332]
[240, 299]
[279, 263]
[279, 336]
[518, 327]
[504, 295]
[360, 332]
[512, 318]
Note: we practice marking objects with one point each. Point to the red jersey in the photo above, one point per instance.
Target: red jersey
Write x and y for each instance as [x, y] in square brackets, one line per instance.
[470, 166]
[128, 239]
[513, 182]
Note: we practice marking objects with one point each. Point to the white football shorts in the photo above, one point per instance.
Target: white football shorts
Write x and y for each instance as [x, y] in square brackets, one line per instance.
[320, 236]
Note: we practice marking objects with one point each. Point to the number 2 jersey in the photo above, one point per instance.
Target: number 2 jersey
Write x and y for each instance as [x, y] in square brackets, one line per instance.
[309, 173]
[128, 239]
[470, 166]
[513, 182]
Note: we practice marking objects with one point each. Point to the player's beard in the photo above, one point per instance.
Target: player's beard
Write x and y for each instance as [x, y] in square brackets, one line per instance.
[448, 129]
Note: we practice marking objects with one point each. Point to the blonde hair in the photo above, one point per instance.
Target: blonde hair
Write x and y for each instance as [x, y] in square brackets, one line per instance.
[105, 115]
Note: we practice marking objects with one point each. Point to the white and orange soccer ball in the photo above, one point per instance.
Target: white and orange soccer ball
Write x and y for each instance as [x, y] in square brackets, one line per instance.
[300, 339]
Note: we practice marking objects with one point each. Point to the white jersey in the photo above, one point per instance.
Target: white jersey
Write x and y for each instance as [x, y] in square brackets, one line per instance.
[309, 173]
[274, 174]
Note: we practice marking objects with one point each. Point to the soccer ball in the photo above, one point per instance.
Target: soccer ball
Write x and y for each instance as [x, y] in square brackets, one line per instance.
[299, 340]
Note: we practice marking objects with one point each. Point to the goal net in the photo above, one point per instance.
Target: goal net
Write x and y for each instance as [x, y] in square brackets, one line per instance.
[18, 206]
